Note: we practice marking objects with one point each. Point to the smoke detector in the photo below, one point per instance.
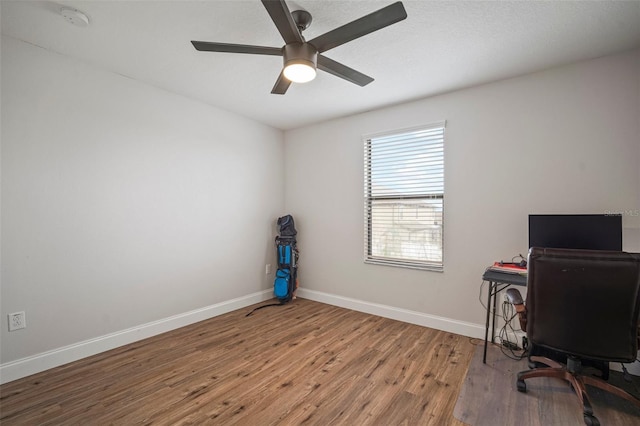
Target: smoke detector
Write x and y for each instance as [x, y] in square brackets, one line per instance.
[75, 17]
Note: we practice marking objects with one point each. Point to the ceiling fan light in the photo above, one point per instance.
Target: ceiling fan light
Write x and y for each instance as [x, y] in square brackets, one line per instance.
[299, 72]
[300, 61]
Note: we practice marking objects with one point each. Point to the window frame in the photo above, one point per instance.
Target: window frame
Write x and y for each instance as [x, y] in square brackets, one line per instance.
[369, 257]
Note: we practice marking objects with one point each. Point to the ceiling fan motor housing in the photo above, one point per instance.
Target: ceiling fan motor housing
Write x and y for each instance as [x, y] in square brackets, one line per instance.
[302, 18]
[300, 53]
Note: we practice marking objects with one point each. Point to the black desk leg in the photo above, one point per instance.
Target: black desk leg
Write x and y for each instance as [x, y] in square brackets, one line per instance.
[486, 327]
[493, 316]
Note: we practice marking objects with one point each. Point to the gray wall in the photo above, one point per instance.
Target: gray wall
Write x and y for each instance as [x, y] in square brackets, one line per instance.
[123, 204]
[566, 140]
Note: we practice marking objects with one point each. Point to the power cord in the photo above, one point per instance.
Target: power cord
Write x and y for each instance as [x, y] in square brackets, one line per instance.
[508, 314]
[507, 347]
[494, 294]
[625, 374]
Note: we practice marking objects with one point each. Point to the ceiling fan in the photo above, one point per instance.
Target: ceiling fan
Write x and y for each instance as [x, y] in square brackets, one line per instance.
[301, 57]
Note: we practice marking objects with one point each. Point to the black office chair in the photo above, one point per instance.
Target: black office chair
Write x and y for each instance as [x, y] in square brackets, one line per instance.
[584, 304]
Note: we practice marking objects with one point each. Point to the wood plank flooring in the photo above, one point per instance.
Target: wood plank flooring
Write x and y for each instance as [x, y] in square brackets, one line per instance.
[305, 363]
[489, 397]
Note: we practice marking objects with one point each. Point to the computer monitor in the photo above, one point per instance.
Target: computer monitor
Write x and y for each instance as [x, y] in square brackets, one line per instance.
[576, 231]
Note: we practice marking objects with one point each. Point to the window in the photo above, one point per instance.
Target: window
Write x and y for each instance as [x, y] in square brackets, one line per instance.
[404, 198]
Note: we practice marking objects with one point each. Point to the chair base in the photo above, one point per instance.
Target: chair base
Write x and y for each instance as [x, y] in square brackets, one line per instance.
[577, 381]
[602, 367]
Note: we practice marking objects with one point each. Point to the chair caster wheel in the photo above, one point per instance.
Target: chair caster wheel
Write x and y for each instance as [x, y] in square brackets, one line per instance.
[533, 365]
[591, 420]
[521, 385]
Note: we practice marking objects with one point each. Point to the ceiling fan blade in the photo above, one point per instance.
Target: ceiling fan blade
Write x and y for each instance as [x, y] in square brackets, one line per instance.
[206, 46]
[281, 86]
[281, 16]
[343, 71]
[360, 27]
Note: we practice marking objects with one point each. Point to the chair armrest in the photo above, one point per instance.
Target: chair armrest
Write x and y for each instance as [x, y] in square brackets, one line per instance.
[515, 298]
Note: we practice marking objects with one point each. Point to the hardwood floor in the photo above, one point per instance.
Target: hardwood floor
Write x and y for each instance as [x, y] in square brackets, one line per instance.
[305, 363]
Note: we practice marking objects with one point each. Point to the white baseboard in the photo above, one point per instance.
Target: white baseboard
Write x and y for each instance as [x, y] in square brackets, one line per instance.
[34, 364]
[419, 318]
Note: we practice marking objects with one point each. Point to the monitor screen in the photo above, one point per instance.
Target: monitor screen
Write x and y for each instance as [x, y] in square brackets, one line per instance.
[582, 231]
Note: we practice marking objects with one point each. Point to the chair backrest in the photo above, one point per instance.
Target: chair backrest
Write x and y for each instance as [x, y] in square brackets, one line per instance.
[584, 302]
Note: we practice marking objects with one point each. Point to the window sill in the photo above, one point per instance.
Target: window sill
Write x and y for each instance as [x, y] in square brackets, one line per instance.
[406, 264]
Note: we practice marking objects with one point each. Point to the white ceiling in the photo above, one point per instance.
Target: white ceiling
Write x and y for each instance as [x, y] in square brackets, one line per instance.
[441, 46]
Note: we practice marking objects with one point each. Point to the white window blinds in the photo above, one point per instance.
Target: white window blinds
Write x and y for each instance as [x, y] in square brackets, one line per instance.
[404, 198]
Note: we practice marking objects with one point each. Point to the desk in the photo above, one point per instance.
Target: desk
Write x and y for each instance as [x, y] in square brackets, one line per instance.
[498, 281]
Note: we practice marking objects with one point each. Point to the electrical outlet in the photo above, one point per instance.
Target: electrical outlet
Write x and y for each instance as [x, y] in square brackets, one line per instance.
[17, 320]
[267, 269]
